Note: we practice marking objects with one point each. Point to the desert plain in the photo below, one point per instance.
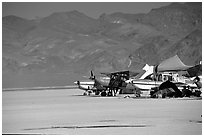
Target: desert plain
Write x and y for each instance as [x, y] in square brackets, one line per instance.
[67, 112]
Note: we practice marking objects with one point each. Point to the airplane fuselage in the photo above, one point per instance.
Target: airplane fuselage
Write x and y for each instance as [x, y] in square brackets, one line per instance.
[144, 84]
[85, 85]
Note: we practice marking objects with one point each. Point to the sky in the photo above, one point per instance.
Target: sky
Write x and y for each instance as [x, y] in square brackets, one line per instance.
[32, 10]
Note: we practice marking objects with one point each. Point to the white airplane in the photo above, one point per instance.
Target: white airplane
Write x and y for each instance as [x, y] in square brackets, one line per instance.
[168, 70]
[89, 86]
[108, 85]
[145, 82]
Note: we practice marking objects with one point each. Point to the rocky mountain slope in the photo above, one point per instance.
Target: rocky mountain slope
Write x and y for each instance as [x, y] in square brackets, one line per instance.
[63, 47]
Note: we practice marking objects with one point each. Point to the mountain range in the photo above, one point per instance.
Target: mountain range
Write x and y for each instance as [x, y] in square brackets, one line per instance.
[63, 47]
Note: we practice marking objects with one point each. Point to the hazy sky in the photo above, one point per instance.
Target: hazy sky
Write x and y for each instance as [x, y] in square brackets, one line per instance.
[32, 10]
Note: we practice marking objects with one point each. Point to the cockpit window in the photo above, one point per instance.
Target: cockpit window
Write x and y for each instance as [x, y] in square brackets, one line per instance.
[150, 77]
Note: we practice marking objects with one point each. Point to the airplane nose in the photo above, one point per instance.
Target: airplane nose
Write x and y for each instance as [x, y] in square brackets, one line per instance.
[127, 81]
[76, 82]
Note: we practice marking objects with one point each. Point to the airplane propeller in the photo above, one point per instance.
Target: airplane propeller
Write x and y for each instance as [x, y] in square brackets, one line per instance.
[77, 82]
[92, 77]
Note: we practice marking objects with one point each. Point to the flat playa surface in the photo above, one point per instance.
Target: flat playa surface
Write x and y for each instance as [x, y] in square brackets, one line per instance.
[66, 111]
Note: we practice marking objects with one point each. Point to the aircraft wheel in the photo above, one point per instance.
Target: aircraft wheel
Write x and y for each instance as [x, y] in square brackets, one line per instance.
[110, 93]
[103, 94]
[137, 95]
[85, 93]
[164, 95]
[97, 92]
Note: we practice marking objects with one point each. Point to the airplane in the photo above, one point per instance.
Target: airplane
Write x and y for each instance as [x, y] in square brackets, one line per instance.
[109, 85]
[144, 81]
[167, 70]
[153, 82]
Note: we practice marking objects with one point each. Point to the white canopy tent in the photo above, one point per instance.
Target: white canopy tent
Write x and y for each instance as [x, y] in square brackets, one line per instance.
[172, 64]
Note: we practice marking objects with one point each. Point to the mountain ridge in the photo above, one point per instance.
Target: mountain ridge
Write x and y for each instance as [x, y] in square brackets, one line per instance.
[63, 47]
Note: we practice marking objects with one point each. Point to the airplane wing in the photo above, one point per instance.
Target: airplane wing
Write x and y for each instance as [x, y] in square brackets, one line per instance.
[126, 73]
[107, 74]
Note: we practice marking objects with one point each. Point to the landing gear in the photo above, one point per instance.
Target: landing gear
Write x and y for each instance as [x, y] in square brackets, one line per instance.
[110, 93]
[97, 92]
[115, 92]
[88, 92]
[103, 94]
[137, 92]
